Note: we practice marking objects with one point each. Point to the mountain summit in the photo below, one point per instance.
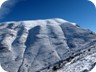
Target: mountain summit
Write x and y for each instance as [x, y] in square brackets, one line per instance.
[51, 45]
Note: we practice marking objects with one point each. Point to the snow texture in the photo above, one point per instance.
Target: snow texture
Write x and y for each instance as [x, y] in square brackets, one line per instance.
[51, 45]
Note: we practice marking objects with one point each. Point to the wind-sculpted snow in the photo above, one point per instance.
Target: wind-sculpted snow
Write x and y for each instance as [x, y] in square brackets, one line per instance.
[51, 45]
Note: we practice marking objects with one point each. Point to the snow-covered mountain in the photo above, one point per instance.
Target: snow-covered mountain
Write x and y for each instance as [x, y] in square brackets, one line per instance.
[51, 45]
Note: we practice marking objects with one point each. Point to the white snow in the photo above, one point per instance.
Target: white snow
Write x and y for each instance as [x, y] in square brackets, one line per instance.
[94, 69]
[2, 70]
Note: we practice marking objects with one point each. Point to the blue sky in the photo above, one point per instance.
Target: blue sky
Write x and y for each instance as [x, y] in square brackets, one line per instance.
[81, 12]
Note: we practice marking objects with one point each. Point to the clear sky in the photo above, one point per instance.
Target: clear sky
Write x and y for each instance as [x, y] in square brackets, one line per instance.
[81, 12]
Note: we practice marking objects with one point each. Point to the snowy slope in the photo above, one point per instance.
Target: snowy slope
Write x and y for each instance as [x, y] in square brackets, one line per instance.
[46, 46]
